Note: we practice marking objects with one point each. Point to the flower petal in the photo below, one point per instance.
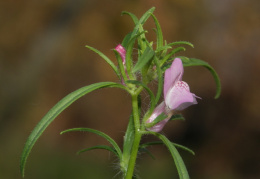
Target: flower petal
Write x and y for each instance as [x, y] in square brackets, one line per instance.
[179, 96]
[157, 111]
[121, 50]
[172, 75]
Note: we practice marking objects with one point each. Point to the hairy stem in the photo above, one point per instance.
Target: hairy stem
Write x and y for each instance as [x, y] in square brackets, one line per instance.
[137, 139]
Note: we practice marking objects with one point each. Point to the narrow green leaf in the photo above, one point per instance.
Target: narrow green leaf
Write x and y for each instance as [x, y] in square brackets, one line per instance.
[109, 139]
[196, 62]
[128, 144]
[134, 18]
[146, 151]
[129, 51]
[167, 57]
[105, 58]
[54, 112]
[128, 139]
[142, 20]
[158, 33]
[144, 59]
[181, 168]
[126, 40]
[181, 43]
[105, 147]
[163, 48]
[147, 144]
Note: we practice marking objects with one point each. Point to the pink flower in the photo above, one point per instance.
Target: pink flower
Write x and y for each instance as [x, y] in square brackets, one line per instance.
[177, 95]
[121, 50]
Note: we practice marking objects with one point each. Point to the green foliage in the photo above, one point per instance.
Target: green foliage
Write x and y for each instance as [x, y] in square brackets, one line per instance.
[109, 139]
[150, 66]
[54, 112]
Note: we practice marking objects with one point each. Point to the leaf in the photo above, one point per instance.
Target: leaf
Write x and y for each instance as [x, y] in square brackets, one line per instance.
[129, 51]
[147, 144]
[146, 151]
[181, 168]
[126, 40]
[167, 57]
[54, 112]
[196, 62]
[128, 143]
[105, 58]
[134, 18]
[144, 59]
[109, 139]
[142, 20]
[158, 33]
[105, 147]
[181, 43]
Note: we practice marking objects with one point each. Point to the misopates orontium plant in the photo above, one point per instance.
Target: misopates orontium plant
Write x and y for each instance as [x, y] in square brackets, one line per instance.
[155, 61]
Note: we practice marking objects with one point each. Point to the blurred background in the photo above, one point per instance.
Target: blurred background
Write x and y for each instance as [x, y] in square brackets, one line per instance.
[43, 58]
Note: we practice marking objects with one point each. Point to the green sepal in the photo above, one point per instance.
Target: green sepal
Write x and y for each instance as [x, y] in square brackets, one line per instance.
[159, 78]
[197, 62]
[105, 147]
[109, 139]
[177, 117]
[54, 112]
[123, 73]
[146, 57]
[105, 58]
[158, 119]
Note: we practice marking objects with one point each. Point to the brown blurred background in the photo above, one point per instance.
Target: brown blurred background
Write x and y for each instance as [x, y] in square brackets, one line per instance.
[43, 58]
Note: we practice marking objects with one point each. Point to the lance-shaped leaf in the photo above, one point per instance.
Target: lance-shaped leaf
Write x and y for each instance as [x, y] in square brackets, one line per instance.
[196, 62]
[54, 112]
[105, 58]
[167, 57]
[181, 168]
[128, 143]
[134, 18]
[147, 144]
[159, 34]
[105, 147]
[181, 43]
[109, 139]
[144, 59]
[142, 20]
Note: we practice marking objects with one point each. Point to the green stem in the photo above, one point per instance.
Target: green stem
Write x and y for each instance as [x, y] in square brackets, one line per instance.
[137, 139]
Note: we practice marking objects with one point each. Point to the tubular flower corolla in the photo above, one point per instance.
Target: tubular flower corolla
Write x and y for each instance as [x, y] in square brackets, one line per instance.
[177, 95]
